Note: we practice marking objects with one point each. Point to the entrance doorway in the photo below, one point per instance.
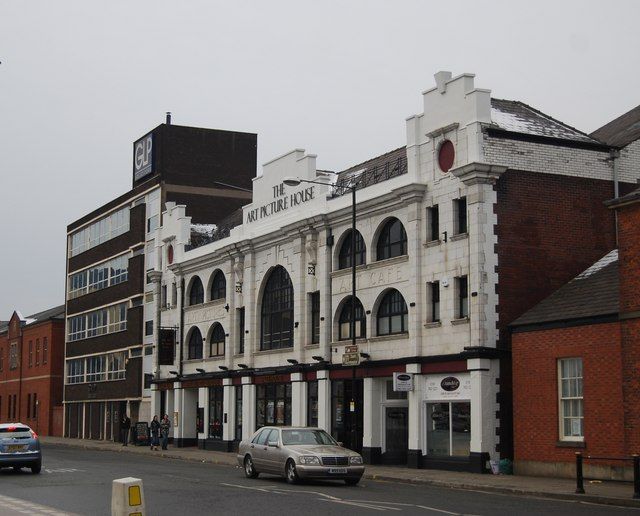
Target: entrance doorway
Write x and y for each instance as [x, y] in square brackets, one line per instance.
[347, 422]
[396, 435]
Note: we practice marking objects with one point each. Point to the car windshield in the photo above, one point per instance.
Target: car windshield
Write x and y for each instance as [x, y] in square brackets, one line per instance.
[303, 436]
[15, 432]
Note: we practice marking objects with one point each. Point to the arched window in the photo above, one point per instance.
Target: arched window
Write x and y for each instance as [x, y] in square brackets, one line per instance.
[392, 314]
[392, 240]
[277, 311]
[344, 258]
[344, 321]
[216, 341]
[195, 344]
[218, 286]
[196, 293]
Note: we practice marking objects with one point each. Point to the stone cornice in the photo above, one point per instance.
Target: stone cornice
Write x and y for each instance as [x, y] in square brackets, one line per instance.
[479, 173]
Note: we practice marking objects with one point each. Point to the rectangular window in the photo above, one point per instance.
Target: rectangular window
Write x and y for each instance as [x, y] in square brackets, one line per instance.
[460, 214]
[462, 298]
[99, 232]
[241, 330]
[148, 328]
[433, 223]
[152, 223]
[163, 296]
[449, 429]
[106, 274]
[75, 370]
[29, 406]
[30, 353]
[312, 403]
[37, 352]
[571, 400]
[15, 405]
[45, 350]
[96, 368]
[34, 411]
[273, 404]
[13, 355]
[77, 328]
[216, 406]
[97, 323]
[1, 359]
[116, 365]
[434, 301]
[394, 395]
[315, 317]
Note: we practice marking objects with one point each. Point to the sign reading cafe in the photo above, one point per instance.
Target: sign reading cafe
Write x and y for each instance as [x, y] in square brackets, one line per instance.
[281, 202]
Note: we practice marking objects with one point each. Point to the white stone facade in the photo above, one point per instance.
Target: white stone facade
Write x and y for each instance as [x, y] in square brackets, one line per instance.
[302, 229]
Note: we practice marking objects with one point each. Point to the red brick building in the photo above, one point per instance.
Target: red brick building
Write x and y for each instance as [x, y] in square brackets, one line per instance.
[31, 370]
[576, 355]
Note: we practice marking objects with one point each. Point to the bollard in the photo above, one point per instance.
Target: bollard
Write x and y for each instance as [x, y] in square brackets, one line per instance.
[127, 497]
[579, 477]
[636, 476]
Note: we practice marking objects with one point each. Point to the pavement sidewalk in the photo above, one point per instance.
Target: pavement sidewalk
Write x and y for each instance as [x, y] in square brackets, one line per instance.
[605, 492]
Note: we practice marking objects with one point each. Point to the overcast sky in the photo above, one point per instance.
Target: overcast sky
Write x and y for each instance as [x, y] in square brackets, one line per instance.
[81, 80]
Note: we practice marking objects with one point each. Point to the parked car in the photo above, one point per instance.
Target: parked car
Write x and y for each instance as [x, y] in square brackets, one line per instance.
[19, 447]
[299, 453]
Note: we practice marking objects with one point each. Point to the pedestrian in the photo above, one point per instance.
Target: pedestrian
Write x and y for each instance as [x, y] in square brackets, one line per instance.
[155, 430]
[125, 426]
[165, 425]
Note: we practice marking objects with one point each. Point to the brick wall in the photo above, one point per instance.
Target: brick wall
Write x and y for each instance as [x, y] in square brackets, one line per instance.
[629, 249]
[550, 228]
[535, 392]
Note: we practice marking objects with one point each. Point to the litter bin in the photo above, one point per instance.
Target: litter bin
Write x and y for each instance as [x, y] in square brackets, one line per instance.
[506, 467]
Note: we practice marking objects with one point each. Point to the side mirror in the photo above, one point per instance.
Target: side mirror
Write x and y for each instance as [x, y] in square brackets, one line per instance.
[273, 444]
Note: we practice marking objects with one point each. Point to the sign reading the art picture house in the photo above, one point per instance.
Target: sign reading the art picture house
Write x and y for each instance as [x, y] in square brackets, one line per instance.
[282, 201]
[143, 157]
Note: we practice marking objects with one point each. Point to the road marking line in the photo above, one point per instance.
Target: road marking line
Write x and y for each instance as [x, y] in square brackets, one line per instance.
[27, 507]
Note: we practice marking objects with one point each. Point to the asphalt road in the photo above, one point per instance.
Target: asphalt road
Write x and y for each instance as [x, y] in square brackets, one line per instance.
[78, 481]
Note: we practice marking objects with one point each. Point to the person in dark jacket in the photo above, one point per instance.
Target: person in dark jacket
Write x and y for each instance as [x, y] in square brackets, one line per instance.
[125, 426]
[165, 425]
[155, 431]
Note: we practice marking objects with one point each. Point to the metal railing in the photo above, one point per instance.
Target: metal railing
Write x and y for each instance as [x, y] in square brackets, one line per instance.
[580, 477]
[371, 176]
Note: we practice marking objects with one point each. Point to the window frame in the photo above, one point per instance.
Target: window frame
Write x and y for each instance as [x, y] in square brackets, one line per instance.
[344, 320]
[277, 311]
[344, 255]
[387, 311]
[218, 286]
[434, 302]
[217, 339]
[433, 223]
[197, 297]
[195, 349]
[460, 210]
[562, 399]
[390, 245]
[314, 305]
[462, 297]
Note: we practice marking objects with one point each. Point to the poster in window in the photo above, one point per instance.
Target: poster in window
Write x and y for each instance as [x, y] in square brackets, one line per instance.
[280, 413]
[270, 411]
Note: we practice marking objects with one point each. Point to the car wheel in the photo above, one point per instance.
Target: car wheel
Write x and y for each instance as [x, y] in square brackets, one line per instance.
[36, 469]
[351, 481]
[290, 472]
[249, 468]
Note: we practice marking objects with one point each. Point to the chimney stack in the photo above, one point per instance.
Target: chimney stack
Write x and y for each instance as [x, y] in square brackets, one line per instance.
[168, 117]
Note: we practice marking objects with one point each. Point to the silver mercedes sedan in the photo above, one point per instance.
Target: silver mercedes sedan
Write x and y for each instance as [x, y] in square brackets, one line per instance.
[299, 453]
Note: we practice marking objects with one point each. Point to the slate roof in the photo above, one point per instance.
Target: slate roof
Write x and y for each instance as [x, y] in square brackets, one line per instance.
[57, 312]
[621, 131]
[518, 117]
[379, 161]
[594, 292]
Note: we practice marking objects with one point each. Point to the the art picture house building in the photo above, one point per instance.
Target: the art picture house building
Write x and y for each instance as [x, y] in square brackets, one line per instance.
[448, 251]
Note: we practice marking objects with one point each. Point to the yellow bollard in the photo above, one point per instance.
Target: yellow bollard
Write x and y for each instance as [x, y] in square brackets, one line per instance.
[127, 497]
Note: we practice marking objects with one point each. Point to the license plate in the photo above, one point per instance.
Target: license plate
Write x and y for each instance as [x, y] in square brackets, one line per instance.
[338, 470]
[14, 447]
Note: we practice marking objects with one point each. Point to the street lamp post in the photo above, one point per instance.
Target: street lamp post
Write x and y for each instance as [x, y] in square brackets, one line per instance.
[295, 181]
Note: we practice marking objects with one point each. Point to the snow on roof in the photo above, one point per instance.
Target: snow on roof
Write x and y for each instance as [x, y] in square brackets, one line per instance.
[518, 117]
[599, 265]
[204, 229]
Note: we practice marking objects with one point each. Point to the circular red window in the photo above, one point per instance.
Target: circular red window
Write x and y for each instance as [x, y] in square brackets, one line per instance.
[170, 255]
[446, 155]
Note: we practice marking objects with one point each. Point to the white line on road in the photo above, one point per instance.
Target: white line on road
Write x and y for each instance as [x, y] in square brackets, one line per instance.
[25, 507]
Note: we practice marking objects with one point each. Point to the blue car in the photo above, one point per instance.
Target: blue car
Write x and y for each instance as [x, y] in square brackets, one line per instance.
[19, 447]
